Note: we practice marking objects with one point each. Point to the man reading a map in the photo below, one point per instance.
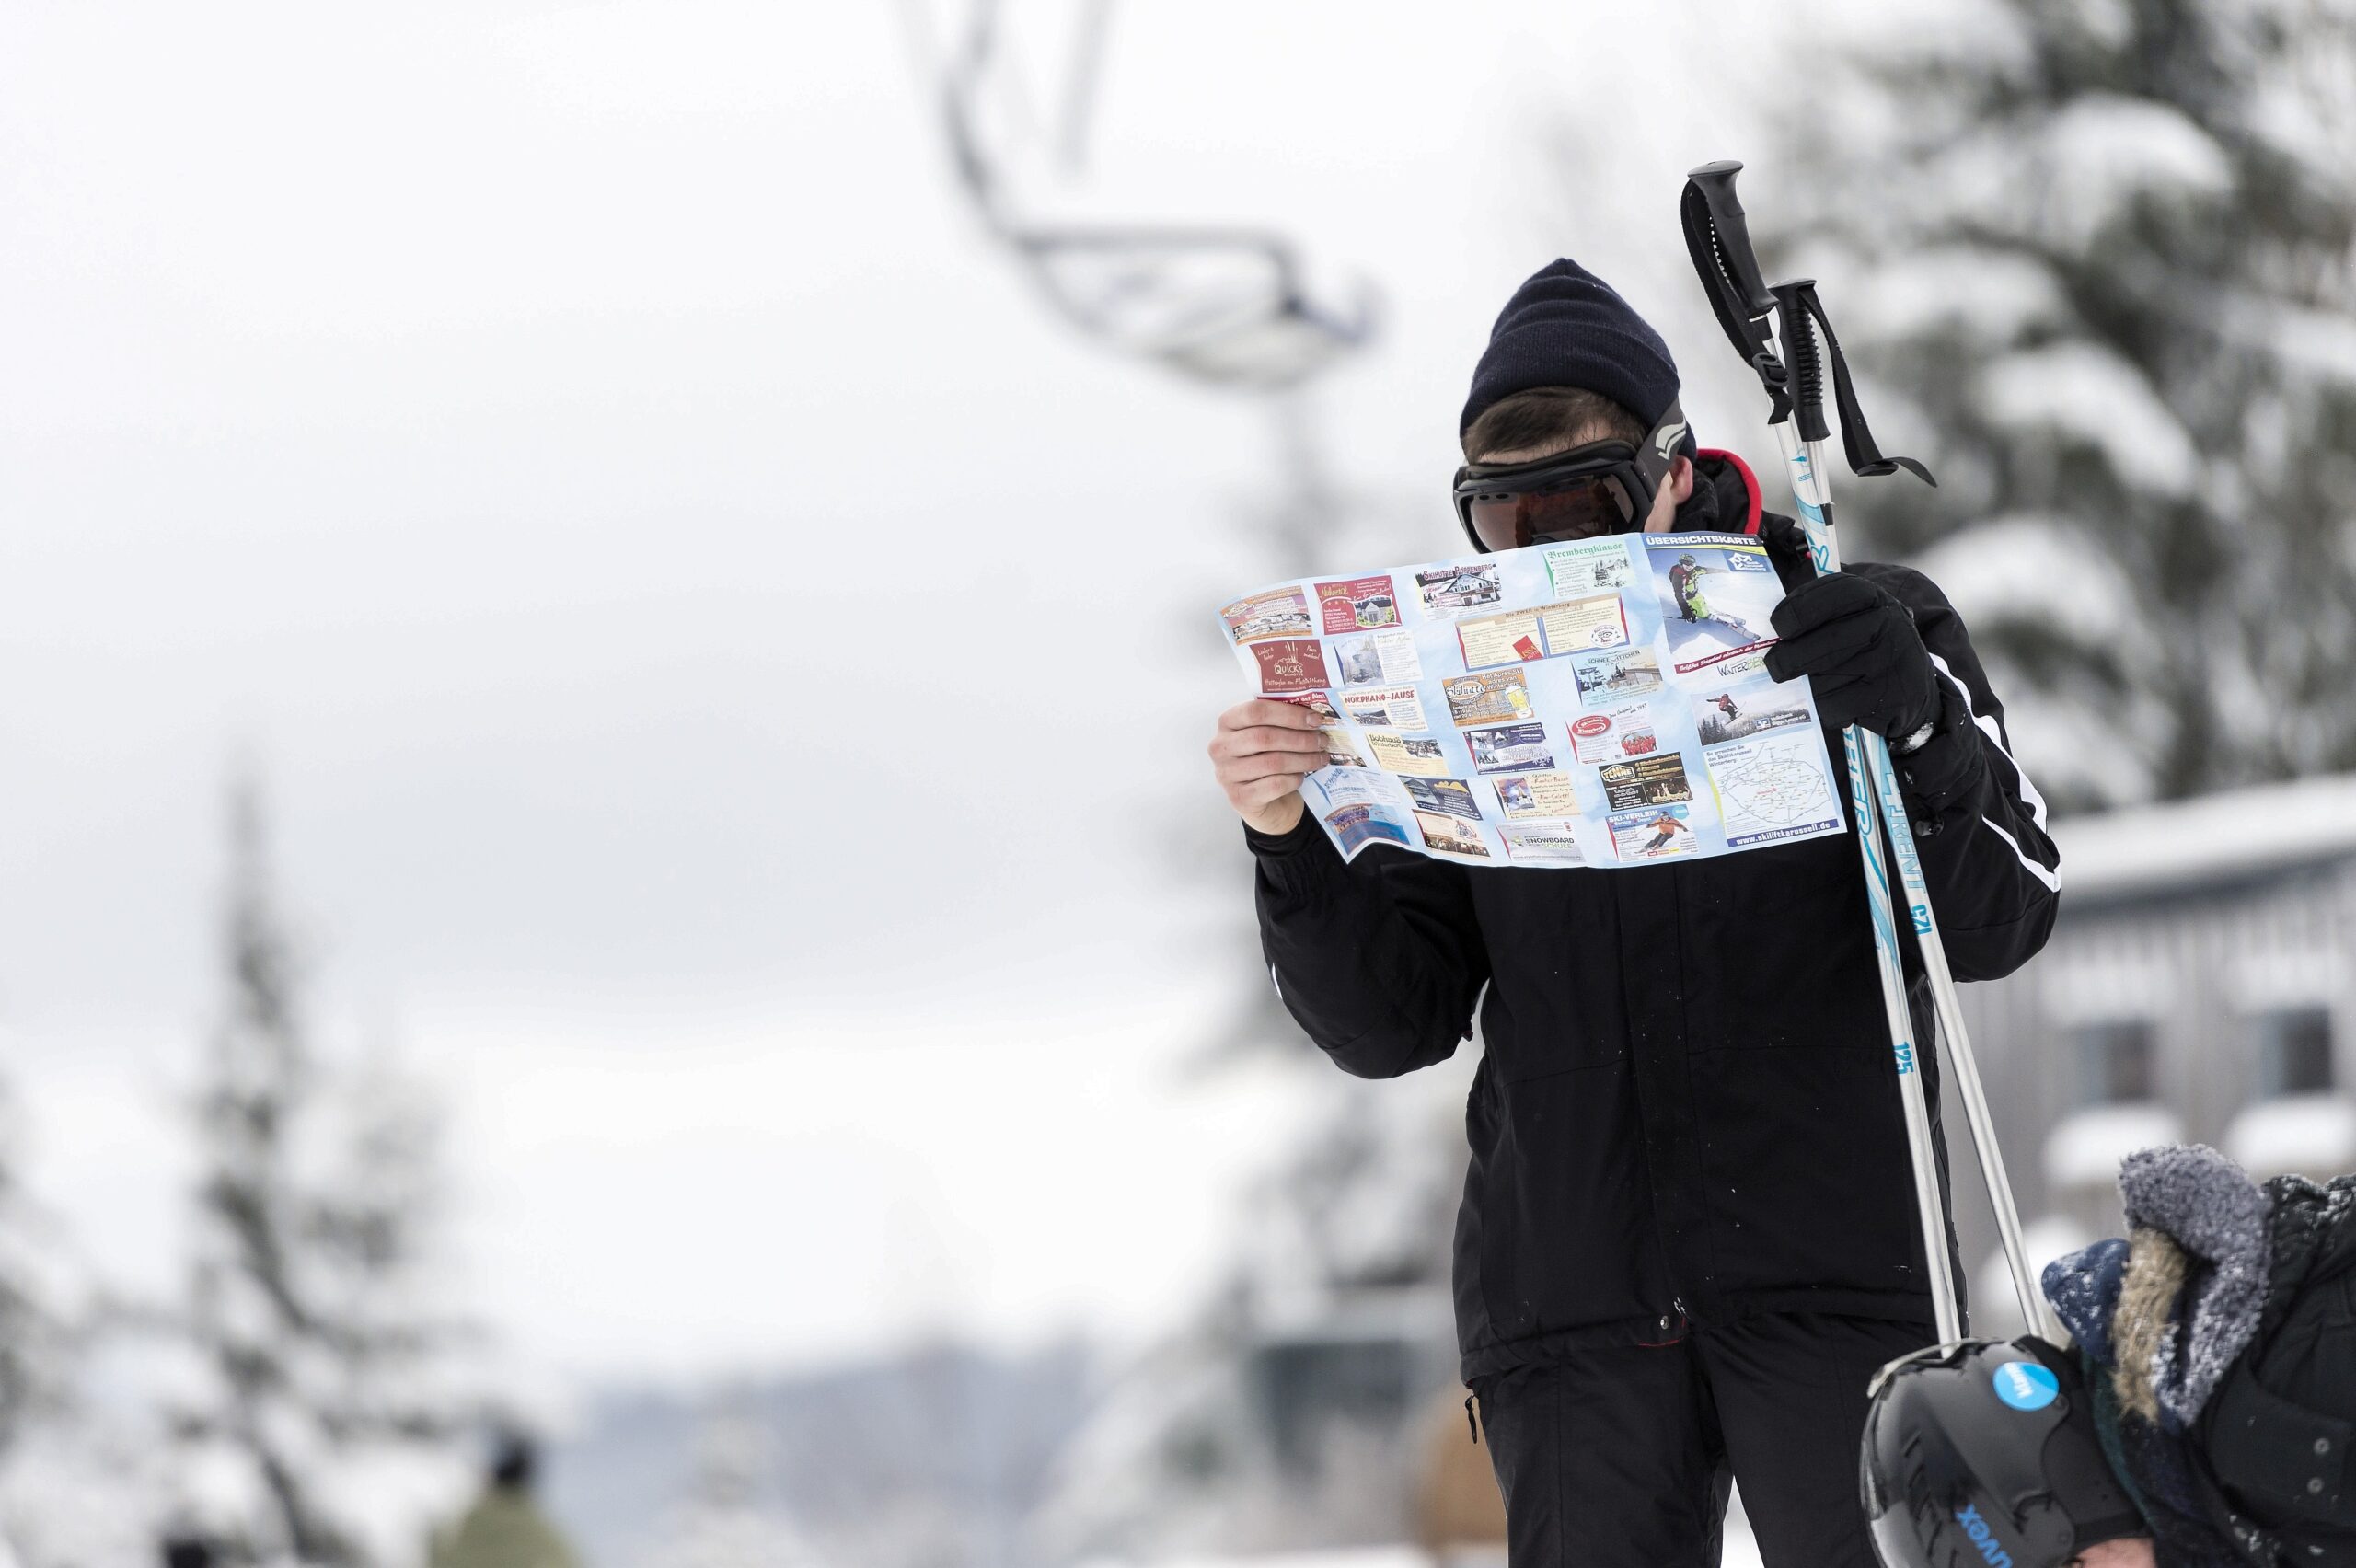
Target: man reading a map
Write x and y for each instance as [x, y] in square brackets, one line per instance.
[1688, 1235]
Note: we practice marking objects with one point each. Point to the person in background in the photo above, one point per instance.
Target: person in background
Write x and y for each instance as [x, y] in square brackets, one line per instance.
[504, 1529]
[1460, 1517]
[186, 1552]
[2203, 1418]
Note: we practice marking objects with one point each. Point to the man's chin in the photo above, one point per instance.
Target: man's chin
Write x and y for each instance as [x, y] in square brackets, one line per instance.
[2128, 1552]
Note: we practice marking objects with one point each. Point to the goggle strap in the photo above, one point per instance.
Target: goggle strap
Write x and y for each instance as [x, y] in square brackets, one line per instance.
[1659, 450]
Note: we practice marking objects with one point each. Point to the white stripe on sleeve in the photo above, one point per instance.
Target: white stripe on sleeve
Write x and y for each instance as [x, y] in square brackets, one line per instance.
[2051, 878]
[2029, 797]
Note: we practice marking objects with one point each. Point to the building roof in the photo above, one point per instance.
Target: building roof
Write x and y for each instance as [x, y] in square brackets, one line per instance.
[2240, 834]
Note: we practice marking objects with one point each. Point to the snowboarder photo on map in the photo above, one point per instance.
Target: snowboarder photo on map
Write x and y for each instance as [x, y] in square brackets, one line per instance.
[1714, 602]
[1688, 1234]
[1685, 582]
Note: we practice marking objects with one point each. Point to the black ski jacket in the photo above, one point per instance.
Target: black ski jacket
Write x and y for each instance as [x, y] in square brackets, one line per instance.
[1686, 1111]
[2279, 1431]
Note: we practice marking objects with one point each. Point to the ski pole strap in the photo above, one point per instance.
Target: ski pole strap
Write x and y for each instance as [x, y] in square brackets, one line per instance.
[1865, 458]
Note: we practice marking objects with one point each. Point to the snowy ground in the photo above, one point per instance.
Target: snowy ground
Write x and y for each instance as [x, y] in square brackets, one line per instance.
[1740, 1552]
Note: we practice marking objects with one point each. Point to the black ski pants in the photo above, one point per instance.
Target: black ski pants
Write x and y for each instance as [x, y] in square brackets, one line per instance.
[1621, 1458]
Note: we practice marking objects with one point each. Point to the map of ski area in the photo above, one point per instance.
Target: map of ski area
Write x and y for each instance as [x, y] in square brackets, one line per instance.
[1601, 703]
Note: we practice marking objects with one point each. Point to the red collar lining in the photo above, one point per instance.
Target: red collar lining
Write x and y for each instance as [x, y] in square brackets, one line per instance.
[1750, 483]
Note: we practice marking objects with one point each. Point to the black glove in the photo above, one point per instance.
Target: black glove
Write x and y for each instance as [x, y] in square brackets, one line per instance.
[1786, 540]
[1859, 649]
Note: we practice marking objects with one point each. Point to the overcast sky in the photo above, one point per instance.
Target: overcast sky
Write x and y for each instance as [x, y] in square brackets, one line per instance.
[730, 671]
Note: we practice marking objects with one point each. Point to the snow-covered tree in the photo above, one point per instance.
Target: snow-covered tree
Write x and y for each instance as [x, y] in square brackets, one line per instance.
[60, 1473]
[2093, 259]
[324, 1423]
[1284, 1416]
[731, 1516]
[32, 1334]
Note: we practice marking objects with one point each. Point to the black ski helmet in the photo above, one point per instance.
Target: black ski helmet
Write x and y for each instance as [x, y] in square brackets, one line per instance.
[1984, 1455]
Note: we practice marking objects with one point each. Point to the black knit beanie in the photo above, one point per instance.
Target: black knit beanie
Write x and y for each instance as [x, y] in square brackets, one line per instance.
[1566, 326]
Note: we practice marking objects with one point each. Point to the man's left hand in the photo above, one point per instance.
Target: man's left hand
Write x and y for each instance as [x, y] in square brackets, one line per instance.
[1859, 649]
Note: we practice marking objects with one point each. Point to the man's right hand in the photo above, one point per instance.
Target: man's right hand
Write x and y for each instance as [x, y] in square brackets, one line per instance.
[1261, 752]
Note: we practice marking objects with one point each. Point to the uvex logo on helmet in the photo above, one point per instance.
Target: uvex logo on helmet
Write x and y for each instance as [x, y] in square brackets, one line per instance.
[2024, 1385]
[1982, 1536]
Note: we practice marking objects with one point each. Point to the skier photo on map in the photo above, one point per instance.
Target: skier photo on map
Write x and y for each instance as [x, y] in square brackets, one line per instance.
[1736, 711]
[1668, 1277]
[1666, 828]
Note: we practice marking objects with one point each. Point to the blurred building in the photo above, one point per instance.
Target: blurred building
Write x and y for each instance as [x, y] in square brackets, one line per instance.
[2196, 989]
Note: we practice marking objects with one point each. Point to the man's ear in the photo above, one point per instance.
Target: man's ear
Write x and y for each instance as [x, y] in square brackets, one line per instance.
[1681, 478]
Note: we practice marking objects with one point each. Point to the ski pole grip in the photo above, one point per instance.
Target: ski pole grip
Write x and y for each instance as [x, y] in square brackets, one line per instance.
[1800, 350]
[1715, 183]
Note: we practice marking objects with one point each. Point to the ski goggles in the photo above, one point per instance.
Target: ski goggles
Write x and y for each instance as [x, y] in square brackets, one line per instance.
[1605, 487]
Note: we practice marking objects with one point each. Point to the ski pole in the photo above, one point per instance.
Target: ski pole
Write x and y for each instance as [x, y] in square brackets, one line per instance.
[1796, 306]
[1720, 242]
[1721, 238]
[1857, 749]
